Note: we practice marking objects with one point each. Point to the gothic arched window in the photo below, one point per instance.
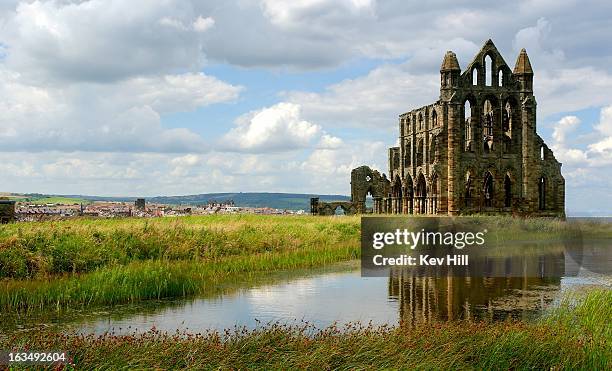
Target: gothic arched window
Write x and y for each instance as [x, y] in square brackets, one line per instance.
[434, 119]
[487, 126]
[467, 122]
[488, 70]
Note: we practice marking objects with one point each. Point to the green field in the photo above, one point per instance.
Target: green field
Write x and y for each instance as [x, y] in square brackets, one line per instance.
[83, 263]
[91, 262]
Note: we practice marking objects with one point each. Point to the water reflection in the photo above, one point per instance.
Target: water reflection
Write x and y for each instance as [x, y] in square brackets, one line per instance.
[443, 298]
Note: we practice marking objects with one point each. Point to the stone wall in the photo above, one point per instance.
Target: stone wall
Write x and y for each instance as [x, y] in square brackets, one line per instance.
[475, 150]
[7, 211]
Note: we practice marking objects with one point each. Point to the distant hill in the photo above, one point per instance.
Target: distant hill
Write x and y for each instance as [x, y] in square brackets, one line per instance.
[288, 201]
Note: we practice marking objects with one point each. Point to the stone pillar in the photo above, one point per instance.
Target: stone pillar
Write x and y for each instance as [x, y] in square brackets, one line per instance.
[453, 153]
[530, 176]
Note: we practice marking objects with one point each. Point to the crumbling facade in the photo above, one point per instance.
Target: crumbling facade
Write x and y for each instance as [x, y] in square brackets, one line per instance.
[475, 150]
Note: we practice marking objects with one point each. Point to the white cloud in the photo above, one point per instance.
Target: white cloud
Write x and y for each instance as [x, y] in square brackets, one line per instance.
[586, 169]
[102, 40]
[123, 116]
[605, 121]
[565, 126]
[202, 24]
[329, 142]
[374, 100]
[602, 149]
[276, 128]
[183, 164]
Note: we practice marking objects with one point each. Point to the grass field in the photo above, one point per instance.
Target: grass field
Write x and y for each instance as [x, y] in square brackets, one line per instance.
[86, 262]
[574, 336]
[107, 261]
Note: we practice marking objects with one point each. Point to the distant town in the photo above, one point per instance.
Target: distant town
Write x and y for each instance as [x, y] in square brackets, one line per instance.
[55, 208]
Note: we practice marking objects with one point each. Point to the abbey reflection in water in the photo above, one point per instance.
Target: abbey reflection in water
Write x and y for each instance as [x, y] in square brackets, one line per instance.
[492, 287]
[443, 298]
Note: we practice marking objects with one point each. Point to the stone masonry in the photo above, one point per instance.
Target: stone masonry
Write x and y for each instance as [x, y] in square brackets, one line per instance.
[474, 151]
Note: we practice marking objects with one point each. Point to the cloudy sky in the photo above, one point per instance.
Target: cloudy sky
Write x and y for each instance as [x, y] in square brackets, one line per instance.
[171, 97]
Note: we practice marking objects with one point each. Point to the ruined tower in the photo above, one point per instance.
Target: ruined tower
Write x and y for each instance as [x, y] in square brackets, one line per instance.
[475, 150]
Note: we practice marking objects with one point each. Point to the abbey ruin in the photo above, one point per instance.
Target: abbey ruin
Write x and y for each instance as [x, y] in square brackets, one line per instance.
[474, 151]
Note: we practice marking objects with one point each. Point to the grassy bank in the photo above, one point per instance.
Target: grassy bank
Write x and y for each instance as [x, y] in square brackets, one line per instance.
[574, 336]
[38, 250]
[155, 279]
[107, 261]
[86, 262]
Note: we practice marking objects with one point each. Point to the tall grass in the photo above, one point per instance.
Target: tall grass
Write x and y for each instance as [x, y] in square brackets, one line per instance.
[553, 343]
[154, 279]
[34, 250]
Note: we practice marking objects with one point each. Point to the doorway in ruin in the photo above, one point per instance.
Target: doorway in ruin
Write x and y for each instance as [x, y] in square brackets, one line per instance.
[421, 195]
[339, 211]
[369, 201]
[410, 194]
[397, 195]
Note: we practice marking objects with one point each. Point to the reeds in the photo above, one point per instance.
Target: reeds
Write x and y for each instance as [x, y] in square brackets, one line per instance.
[553, 343]
[35, 250]
[155, 279]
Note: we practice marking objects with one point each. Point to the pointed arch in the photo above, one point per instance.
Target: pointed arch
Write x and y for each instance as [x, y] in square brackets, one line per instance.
[434, 118]
[475, 76]
[397, 195]
[469, 107]
[421, 122]
[500, 78]
[421, 194]
[488, 119]
[409, 194]
[488, 65]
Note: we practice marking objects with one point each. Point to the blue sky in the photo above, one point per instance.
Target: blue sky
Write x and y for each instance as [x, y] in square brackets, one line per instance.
[144, 98]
